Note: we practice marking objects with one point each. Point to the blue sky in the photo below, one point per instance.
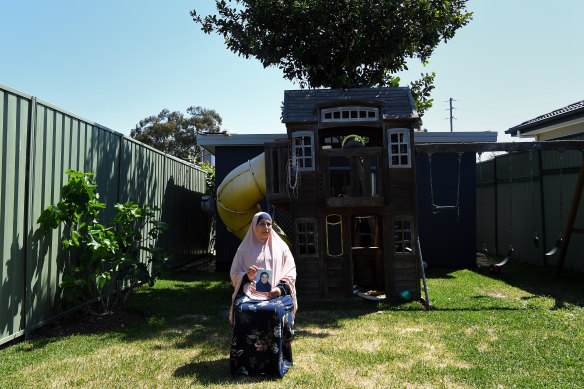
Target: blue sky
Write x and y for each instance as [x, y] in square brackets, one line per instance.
[116, 62]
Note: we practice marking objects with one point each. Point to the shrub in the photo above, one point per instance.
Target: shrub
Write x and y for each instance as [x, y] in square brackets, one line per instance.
[104, 261]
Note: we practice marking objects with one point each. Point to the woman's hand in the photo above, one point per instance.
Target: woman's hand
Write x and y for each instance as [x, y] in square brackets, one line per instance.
[274, 293]
[252, 272]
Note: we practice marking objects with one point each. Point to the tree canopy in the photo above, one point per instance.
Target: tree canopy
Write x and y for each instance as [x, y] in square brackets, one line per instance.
[341, 43]
[174, 133]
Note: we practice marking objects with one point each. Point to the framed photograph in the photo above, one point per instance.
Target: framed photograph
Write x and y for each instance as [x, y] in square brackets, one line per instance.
[264, 280]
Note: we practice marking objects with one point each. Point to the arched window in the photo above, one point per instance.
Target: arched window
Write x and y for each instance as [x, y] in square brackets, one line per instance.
[334, 235]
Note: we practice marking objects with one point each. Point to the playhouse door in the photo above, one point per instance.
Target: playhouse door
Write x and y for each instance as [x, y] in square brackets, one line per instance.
[368, 268]
[367, 253]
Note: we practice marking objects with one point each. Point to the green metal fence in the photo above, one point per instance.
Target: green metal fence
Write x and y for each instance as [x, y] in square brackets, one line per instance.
[523, 195]
[38, 143]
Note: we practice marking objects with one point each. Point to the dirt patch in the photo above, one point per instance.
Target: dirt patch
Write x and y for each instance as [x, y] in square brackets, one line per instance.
[497, 295]
[81, 322]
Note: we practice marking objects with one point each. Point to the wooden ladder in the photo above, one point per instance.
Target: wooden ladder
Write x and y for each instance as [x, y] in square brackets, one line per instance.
[572, 217]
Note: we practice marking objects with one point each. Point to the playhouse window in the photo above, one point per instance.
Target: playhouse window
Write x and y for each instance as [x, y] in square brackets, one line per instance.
[398, 140]
[306, 236]
[365, 231]
[402, 236]
[348, 114]
[340, 176]
[334, 235]
[303, 149]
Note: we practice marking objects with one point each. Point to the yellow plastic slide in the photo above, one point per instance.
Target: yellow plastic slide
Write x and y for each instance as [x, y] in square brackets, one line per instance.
[238, 196]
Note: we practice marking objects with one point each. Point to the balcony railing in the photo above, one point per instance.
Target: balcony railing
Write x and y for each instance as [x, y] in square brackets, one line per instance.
[351, 177]
[345, 177]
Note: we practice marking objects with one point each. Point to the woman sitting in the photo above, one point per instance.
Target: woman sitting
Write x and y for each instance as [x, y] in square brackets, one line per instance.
[262, 321]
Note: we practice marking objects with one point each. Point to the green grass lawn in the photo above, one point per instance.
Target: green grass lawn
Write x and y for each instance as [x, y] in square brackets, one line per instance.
[523, 328]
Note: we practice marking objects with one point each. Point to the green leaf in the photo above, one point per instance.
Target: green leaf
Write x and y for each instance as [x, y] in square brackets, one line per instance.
[102, 279]
[75, 237]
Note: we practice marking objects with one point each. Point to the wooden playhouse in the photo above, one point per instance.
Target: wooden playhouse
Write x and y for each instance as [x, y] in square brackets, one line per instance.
[347, 174]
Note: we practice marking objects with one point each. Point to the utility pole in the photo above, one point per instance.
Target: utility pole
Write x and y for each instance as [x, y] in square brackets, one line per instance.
[451, 116]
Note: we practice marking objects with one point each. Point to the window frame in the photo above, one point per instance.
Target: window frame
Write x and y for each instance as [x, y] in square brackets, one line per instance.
[346, 114]
[401, 231]
[306, 244]
[406, 141]
[302, 147]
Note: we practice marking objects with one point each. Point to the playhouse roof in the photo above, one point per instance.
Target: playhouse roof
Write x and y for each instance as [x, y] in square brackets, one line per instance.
[302, 105]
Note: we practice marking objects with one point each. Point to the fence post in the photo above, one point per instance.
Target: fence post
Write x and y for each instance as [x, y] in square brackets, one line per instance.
[542, 208]
[496, 201]
[27, 301]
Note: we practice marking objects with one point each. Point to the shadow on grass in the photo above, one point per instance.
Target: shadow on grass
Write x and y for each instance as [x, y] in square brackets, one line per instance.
[217, 372]
[565, 288]
[205, 372]
[189, 309]
[195, 303]
[441, 273]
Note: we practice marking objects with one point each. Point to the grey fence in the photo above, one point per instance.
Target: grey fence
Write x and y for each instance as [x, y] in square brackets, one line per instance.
[38, 143]
[525, 195]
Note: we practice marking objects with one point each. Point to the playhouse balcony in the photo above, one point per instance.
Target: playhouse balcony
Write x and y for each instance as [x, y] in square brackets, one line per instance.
[351, 177]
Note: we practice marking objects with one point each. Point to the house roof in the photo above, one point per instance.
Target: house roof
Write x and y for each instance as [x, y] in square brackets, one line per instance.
[302, 105]
[210, 141]
[570, 112]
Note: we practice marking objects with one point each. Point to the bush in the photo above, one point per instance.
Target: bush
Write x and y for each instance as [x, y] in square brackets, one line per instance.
[107, 259]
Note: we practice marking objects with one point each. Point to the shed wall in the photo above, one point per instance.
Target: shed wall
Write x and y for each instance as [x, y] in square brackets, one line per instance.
[448, 237]
[228, 158]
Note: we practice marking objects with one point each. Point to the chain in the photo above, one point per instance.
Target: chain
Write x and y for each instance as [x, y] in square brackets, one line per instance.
[458, 189]
[510, 201]
[292, 172]
[482, 203]
[532, 196]
[561, 193]
[431, 183]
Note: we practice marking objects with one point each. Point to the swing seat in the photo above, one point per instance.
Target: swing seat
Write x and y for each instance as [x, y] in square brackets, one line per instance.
[437, 208]
[496, 268]
[555, 248]
[506, 259]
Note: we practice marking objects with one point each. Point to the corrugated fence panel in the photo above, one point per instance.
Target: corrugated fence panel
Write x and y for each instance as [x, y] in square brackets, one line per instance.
[43, 263]
[32, 263]
[486, 206]
[14, 114]
[519, 217]
[48, 141]
[561, 171]
[61, 142]
[181, 209]
[142, 177]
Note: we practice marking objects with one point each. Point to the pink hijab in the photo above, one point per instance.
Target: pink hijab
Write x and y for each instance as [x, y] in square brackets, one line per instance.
[273, 255]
